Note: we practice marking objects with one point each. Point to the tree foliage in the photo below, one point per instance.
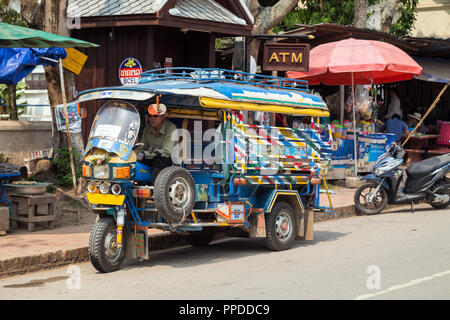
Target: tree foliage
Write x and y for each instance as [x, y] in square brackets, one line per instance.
[11, 16]
[408, 15]
[342, 12]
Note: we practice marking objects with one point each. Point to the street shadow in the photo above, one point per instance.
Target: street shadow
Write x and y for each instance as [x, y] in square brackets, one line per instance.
[407, 209]
[224, 249]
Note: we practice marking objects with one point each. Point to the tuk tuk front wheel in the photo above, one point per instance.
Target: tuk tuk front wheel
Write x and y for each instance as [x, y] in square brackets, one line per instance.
[281, 227]
[104, 252]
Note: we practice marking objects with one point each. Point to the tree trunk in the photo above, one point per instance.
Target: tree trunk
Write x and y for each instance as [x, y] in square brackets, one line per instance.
[51, 16]
[266, 18]
[360, 15]
[12, 102]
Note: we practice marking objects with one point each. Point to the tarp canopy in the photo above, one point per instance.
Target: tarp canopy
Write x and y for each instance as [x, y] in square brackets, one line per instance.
[434, 70]
[12, 36]
[17, 63]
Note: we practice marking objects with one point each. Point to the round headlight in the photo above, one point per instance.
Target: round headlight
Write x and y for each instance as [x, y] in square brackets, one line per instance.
[104, 188]
[91, 187]
[116, 189]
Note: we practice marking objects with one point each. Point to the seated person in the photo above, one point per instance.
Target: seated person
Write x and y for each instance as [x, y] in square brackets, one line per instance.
[414, 120]
[395, 126]
[157, 139]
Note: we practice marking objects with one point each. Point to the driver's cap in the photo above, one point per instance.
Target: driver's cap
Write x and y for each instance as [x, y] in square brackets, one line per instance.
[157, 109]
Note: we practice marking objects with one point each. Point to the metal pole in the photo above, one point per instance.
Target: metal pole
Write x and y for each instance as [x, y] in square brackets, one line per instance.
[354, 127]
[69, 144]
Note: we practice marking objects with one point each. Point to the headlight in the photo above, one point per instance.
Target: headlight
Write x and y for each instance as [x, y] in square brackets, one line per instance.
[115, 189]
[104, 188]
[378, 171]
[101, 172]
[387, 167]
[91, 187]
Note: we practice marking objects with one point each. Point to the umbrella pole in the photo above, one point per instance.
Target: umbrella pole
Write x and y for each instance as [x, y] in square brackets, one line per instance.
[69, 143]
[427, 113]
[354, 127]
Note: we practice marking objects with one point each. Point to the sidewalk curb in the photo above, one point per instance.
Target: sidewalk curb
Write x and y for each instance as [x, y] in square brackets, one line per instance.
[50, 260]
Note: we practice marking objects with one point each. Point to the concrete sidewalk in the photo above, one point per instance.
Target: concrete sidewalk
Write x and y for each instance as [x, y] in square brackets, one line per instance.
[22, 251]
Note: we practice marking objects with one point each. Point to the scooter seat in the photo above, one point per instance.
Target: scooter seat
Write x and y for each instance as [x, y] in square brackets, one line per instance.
[425, 167]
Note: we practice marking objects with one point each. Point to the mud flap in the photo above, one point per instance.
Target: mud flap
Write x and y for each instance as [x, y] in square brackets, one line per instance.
[137, 243]
[306, 226]
[257, 225]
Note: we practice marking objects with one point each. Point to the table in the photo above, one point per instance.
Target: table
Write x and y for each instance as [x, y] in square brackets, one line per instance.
[32, 209]
[418, 146]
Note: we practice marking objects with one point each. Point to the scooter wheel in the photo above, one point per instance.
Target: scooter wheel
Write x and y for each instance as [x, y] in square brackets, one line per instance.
[366, 206]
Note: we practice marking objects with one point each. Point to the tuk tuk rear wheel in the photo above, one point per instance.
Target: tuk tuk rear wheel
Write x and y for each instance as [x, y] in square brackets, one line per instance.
[174, 193]
[281, 227]
[104, 252]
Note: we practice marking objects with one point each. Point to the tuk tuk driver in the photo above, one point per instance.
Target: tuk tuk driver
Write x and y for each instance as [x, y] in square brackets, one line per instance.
[157, 140]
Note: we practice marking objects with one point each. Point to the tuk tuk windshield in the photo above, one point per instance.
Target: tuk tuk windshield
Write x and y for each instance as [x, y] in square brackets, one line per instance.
[118, 121]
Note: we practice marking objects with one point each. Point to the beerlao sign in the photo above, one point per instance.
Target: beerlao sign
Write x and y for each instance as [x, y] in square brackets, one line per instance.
[286, 57]
[129, 71]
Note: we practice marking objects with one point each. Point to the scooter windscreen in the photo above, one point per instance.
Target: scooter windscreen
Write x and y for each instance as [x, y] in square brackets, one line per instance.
[115, 128]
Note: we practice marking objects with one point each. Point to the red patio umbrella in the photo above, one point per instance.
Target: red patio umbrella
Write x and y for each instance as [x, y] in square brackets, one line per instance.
[354, 61]
[368, 60]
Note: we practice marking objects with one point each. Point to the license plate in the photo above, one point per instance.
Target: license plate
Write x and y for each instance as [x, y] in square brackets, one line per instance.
[111, 199]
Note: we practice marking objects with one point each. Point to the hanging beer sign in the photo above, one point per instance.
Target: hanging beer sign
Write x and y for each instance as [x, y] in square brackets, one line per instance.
[286, 57]
[129, 71]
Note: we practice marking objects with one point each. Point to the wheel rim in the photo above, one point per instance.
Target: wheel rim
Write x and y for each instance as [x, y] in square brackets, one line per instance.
[283, 226]
[180, 193]
[366, 193]
[112, 249]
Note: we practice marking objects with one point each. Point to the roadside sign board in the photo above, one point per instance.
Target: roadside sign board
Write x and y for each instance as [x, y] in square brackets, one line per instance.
[74, 61]
[286, 57]
[129, 71]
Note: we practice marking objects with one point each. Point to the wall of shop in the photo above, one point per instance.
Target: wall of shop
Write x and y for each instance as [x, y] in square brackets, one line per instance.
[19, 138]
[432, 19]
[147, 44]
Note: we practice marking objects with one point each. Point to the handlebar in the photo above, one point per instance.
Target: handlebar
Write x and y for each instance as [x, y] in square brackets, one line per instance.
[397, 151]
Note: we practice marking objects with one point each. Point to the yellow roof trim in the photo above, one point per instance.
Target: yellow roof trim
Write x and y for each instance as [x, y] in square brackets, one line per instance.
[224, 104]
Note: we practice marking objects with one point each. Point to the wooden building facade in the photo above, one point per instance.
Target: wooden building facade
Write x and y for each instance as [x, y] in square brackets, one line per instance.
[150, 31]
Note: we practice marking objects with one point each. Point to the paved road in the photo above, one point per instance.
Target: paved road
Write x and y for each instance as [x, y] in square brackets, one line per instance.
[396, 255]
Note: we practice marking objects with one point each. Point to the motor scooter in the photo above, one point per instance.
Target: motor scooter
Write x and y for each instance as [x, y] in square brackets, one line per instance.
[388, 184]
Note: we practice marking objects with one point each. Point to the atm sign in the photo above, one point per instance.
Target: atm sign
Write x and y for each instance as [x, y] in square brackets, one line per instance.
[286, 57]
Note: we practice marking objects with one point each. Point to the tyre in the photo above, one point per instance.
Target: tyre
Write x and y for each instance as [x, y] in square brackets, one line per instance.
[281, 227]
[364, 204]
[104, 253]
[440, 189]
[201, 238]
[174, 193]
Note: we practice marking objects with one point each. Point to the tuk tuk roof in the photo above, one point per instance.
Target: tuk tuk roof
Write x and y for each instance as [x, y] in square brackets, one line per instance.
[218, 89]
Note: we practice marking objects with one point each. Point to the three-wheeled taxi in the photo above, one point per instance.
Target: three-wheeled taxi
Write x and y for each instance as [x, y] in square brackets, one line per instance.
[229, 172]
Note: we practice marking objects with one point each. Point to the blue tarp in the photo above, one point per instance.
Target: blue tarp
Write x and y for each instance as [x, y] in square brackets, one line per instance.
[17, 63]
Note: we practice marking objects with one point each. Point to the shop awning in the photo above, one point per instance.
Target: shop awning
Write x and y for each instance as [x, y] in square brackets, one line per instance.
[434, 69]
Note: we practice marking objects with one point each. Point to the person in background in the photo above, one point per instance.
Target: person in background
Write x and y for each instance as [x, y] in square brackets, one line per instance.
[395, 126]
[414, 119]
[394, 105]
[157, 140]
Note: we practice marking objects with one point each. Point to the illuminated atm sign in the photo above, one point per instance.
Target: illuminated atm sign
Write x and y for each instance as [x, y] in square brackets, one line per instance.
[286, 57]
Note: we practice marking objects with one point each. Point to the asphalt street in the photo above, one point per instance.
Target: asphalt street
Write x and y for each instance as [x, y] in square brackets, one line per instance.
[393, 255]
